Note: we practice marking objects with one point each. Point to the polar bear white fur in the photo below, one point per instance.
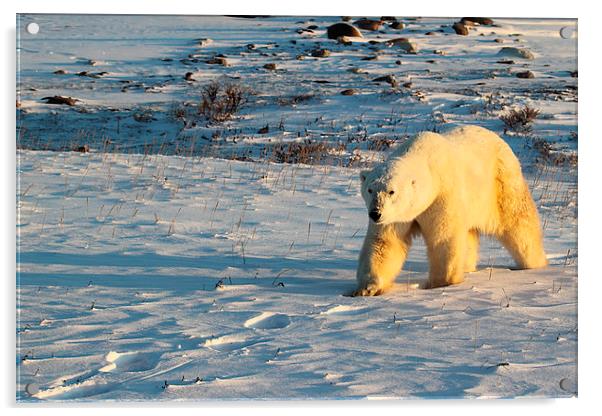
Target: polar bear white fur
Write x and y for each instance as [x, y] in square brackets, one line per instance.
[450, 189]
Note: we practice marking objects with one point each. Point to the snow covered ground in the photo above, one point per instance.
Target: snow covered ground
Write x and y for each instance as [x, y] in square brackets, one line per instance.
[151, 269]
[139, 271]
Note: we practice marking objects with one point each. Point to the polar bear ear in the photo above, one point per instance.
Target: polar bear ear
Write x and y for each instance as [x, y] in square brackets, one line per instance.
[364, 175]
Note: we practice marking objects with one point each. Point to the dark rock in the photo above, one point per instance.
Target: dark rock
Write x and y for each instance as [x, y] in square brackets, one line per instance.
[342, 29]
[525, 75]
[218, 60]
[397, 25]
[506, 62]
[188, 76]
[368, 24]
[350, 91]
[264, 130]
[499, 40]
[60, 100]
[389, 79]
[485, 21]
[320, 53]
[460, 29]
[270, 67]
[312, 27]
[60, 72]
[407, 84]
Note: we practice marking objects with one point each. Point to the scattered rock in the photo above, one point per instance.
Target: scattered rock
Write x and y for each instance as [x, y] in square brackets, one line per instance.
[218, 60]
[204, 42]
[430, 33]
[264, 130]
[355, 70]
[389, 79]
[166, 59]
[188, 76]
[368, 24]
[398, 62]
[397, 25]
[407, 84]
[252, 46]
[345, 40]
[525, 75]
[320, 53]
[499, 40]
[312, 27]
[58, 99]
[439, 52]
[82, 149]
[506, 62]
[485, 21]
[513, 52]
[370, 58]
[404, 44]
[343, 29]
[350, 91]
[270, 67]
[460, 29]
[306, 31]
[60, 72]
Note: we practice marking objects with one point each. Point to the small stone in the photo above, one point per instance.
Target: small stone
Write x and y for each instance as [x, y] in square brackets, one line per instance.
[485, 21]
[525, 75]
[204, 42]
[506, 62]
[188, 76]
[397, 25]
[320, 53]
[398, 62]
[389, 79]
[404, 44]
[270, 67]
[512, 52]
[350, 91]
[60, 72]
[367, 24]
[57, 99]
[430, 33]
[344, 40]
[343, 29]
[498, 40]
[218, 60]
[460, 29]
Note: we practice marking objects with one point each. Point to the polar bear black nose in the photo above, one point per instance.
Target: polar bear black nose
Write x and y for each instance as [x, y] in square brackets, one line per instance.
[375, 215]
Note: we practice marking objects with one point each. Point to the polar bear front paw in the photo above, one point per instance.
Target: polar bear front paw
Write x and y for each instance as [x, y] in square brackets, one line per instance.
[371, 289]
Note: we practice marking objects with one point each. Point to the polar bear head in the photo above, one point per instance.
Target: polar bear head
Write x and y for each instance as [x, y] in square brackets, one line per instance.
[397, 192]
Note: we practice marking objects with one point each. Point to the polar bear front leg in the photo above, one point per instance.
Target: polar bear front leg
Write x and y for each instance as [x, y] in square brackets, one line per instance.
[381, 258]
[447, 259]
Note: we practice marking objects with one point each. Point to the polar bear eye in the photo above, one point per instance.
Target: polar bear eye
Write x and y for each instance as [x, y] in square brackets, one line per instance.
[391, 192]
[369, 191]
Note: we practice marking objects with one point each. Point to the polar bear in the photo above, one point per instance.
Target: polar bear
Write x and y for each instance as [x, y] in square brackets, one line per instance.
[450, 189]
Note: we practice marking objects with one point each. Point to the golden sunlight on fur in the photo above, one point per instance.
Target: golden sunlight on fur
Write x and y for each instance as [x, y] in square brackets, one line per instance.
[450, 189]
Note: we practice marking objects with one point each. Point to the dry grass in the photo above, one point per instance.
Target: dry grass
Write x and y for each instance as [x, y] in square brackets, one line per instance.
[520, 120]
[221, 100]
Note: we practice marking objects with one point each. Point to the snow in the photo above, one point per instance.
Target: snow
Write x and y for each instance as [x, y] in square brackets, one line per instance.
[154, 274]
[232, 285]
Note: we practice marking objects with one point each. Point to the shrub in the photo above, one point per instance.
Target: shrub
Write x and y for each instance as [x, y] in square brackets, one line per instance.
[519, 120]
[220, 101]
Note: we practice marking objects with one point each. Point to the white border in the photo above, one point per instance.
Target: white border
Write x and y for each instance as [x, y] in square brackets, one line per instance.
[589, 190]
